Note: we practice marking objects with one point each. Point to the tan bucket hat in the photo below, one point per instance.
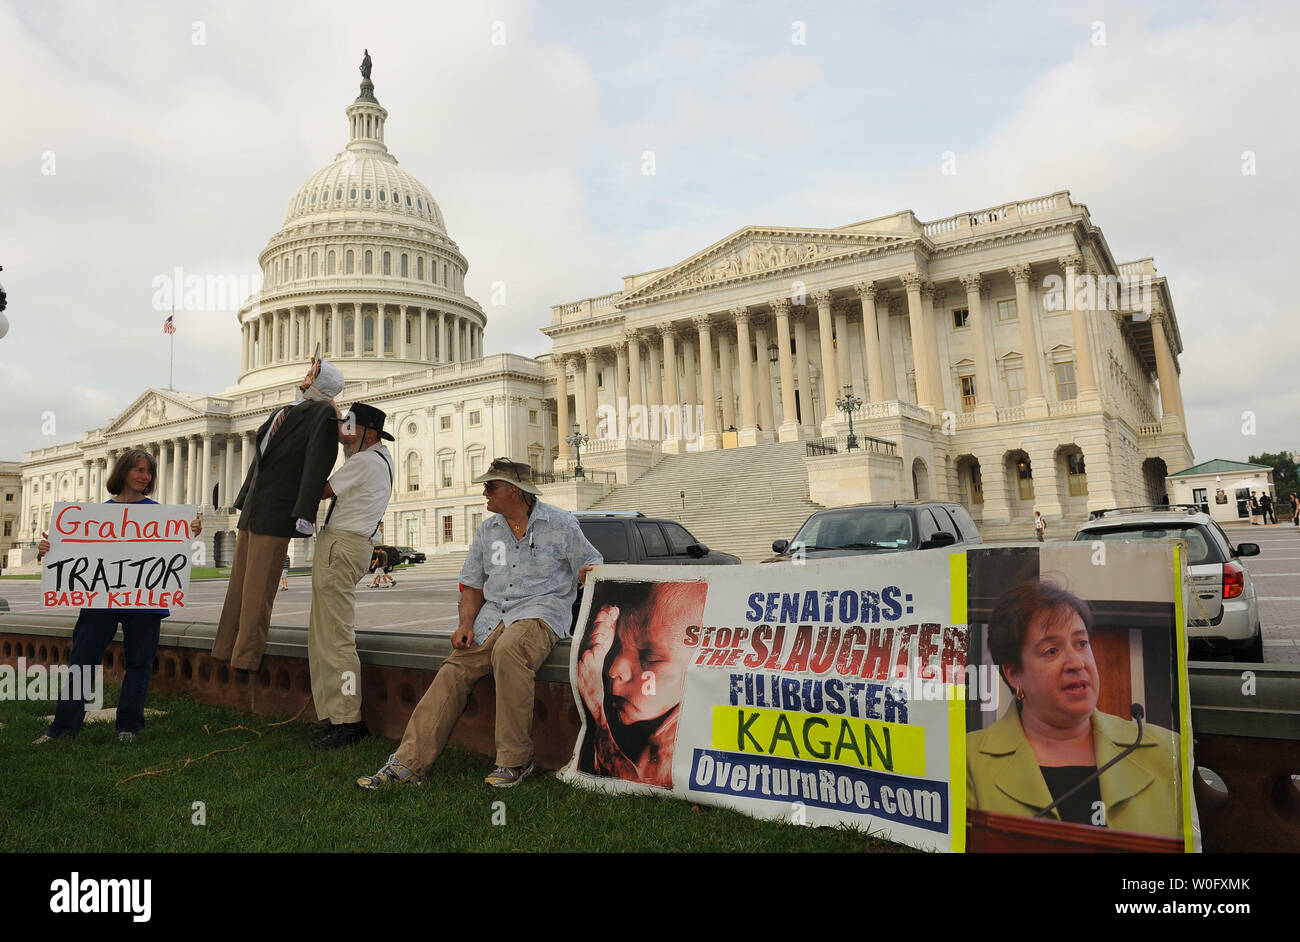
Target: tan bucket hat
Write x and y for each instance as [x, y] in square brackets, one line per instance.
[512, 472]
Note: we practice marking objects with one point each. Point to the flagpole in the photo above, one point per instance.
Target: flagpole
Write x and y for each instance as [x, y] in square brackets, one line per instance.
[171, 359]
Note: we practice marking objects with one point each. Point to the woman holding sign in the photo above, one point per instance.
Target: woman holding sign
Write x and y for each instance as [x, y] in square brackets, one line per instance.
[1055, 755]
[131, 481]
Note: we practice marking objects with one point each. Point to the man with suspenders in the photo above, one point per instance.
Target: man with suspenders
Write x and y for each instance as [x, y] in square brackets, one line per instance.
[358, 494]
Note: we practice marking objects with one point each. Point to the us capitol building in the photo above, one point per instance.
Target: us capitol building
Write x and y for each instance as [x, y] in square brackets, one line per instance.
[1004, 359]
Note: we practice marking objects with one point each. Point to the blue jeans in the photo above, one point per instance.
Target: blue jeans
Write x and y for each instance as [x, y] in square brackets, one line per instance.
[94, 630]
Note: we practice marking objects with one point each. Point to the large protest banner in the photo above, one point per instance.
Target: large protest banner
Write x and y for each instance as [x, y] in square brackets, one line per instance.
[848, 691]
[119, 556]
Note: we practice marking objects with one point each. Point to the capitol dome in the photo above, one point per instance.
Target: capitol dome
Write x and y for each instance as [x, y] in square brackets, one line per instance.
[362, 266]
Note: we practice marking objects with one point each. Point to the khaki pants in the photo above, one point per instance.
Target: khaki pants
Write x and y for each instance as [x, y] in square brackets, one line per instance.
[246, 614]
[341, 559]
[512, 656]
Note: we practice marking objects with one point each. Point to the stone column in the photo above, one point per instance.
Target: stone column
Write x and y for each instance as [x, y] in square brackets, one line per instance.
[1047, 494]
[205, 471]
[399, 331]
[358, 332]
[562, 406]
[1035, 402]
[247, 442]
[291, 349]
[942, 375]
[192, 470]
[748, 416]
[830, 383]
[922, 361]
[591, 360]
[789, 428]
[1166, 372]
[243, 347]
[690, 390]
[317, 331]
[275, 337]
[985, 403]
[585, 422]
[440, 347]
[885, 303]
[807, 410]
[672, 398]
[993, 478]
[636, 418]
[621, 389]
[843, 362]
[763, 378]
[654, 383]
[728, 379]
[160, 492]
[225, 495]
[1084, 372]
[870, 342]
[176, 492]
[708, 430]
[336, 333]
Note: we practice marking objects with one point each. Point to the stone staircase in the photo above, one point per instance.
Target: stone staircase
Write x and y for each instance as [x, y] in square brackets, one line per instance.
[738, 500]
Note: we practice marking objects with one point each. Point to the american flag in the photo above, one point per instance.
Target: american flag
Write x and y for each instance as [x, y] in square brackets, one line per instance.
[169, 325]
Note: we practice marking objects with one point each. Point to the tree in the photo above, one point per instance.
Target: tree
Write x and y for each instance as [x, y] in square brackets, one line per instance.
[1286, 477]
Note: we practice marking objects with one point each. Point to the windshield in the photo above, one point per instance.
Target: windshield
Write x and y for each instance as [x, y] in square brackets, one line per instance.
[1199, 549]
[857, 529]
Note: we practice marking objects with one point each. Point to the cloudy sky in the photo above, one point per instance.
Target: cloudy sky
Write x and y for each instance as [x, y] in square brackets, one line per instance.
[139, 137]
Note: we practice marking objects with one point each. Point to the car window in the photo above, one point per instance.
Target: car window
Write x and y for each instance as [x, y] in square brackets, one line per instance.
[1226, 546]
[885, 528]
[1199, 548]
[678, 538]
[926, 526]
[968, 529]
[946, 522]
[655, 545]
[609, 537]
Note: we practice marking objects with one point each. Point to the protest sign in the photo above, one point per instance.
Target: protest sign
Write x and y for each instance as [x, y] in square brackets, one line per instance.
[847, 691]
[118, 556]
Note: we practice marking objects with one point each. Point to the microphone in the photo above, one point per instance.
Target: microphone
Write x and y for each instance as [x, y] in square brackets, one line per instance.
[1138, 713]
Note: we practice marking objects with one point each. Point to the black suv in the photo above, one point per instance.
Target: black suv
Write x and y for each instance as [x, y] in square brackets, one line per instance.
[632, 537]
[410, 554]
[878, 528]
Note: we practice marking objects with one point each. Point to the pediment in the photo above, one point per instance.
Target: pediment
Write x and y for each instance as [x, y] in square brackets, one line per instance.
[153, 407]
[755, 252]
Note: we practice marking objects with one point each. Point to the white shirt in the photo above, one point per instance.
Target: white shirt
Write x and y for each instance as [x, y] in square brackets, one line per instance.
[363, 486]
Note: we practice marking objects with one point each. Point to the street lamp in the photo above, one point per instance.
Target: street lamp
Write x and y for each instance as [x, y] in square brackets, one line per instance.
[849, 404]
[773, 353]
[577, 440]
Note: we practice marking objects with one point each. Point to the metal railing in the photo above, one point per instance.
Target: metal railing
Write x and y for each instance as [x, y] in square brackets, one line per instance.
[836, 444]
[588, 474]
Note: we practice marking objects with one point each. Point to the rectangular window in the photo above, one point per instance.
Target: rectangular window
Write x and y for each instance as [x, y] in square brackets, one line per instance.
[968, 394]
[9, 498]
[600, 379]
[1065, 384]
[976, 485]
[1016, 386]
[9, 528]
[475, 465]
[444, 423]
[555, 420]
[1007, 310]
[446, 528]
[961, 317]
[532, 416]
[475, 519]
[1078, 477]
[475, 418]
[1026, 475]
[445, 472]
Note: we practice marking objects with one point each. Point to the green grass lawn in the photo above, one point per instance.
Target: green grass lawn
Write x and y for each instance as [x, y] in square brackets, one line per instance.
[275, 794]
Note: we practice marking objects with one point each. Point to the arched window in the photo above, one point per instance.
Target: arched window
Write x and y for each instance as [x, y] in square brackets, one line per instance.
[315, 264]
[367, 192]
[349, 262]
[297, 268]
[370, 263]
[338, 194]
[329, 263]
[388, 335]
[388, 263]
[381, 196]
[349, 334]
[369, 335]
[352, 193]
[413, 471]
[406, 266]
[419, 267]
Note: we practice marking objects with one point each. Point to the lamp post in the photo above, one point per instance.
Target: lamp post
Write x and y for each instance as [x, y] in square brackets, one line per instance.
[577, 440]
[849, 404]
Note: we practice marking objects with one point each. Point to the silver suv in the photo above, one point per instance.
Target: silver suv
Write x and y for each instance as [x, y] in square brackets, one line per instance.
[1222, 610]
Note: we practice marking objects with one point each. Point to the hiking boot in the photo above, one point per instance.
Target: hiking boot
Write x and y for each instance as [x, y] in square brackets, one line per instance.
[127, 737]
[343, 734]
[508, 776]
[392, 772]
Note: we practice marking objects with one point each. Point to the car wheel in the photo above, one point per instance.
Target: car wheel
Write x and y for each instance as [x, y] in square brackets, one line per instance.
[1252, 651]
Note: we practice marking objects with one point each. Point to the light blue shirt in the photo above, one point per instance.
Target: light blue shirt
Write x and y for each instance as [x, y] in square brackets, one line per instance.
[535, 576]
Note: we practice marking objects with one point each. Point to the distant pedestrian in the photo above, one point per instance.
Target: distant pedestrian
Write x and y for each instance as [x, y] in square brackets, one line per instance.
[1040, 526]
[1295, 511]
[1266, 505]
[1254, 510]
[284, 574]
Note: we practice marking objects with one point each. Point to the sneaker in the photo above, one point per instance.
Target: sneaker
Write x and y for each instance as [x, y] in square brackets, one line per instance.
[393, 771]
[127, 737]
[42, 739]
[508, 777]
[343, 734]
